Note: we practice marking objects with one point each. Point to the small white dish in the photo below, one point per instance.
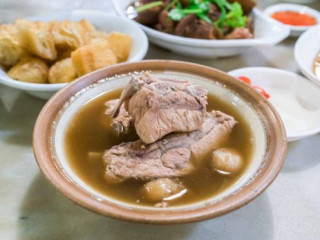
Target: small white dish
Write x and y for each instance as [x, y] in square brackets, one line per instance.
[295, 31]
[101, 21]
[305, 52]
[300, 1]
[267, 32]
[296, 99]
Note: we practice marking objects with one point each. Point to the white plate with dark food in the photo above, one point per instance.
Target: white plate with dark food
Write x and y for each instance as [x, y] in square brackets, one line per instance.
[41, 54]
[306, 53]
[298, 18]
[296, 99]
[204, 34]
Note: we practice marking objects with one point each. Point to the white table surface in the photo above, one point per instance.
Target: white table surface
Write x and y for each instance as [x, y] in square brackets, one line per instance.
[31, 209]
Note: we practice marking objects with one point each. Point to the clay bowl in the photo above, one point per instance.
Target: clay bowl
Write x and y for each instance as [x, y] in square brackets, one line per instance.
[268, 135]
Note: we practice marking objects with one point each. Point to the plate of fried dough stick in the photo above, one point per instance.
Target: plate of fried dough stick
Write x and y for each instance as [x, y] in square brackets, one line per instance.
[41, 54]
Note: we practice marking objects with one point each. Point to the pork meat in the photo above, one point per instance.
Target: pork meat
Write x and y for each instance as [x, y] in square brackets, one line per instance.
[174, 155]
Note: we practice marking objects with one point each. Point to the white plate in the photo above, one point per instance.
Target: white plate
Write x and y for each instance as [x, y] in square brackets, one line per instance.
[295, 30]
[305, 52]
[296, 99]
[101, 21]
[267, 32]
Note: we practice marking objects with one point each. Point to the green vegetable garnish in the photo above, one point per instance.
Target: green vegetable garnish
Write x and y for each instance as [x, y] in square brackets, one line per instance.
[148, 6]
[231, 15]
[235, 16]
[178, 14]
[170, 5]
[223, 5]
[199, 4]
[198, 7]
[204, 6]
[192, 11]
[205, 18]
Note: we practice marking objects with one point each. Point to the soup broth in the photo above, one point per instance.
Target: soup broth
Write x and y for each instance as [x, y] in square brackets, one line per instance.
[90, 134]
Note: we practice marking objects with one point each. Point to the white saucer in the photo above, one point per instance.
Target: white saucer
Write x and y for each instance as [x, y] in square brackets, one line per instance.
[296, 98]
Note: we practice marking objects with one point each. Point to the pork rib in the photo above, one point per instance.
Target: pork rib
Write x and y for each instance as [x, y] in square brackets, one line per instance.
[169, 157]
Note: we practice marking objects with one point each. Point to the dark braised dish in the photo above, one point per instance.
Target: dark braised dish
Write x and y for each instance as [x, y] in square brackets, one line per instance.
[168, 143]
[203, 19]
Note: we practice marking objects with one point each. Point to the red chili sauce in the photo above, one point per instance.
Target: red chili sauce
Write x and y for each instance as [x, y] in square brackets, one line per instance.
[294, 18]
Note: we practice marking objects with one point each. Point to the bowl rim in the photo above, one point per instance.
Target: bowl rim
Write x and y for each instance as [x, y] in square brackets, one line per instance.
[213, 43]
[273, 161]
[51, 87]
[307, 71]
[293, 7]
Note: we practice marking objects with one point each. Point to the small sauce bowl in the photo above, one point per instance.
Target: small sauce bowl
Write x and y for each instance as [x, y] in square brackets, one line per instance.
[295, 31]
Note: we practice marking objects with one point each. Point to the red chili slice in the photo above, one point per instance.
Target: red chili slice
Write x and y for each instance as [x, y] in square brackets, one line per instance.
[245, 79]
[261, 91]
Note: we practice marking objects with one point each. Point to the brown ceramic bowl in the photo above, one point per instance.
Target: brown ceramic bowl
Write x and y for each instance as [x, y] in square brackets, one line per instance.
[268, 134]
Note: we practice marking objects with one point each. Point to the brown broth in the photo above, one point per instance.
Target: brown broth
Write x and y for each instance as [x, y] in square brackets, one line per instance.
[90, 131]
